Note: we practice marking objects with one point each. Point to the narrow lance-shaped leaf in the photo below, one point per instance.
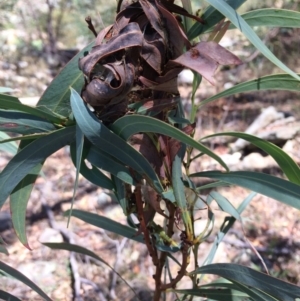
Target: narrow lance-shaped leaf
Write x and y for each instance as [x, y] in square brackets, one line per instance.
[107, 141]
[93, 174]
[225, 205]
[225, 227]
[21, 138]
[2, 247]
[284, 191]
[57, 96]
[106, 162]
[7, 296]
[5, 90]
[9, 147]
[130, 125]
[12, 103]
[218, 294]
[211, 17]
[84, 251]
[34, 153]
[107, 224]
[19, 199]
[286, 163]
[18, 203]
[252, 279]
[23, 123]
[79, 142]
[269, 82]
[19, 276]
[272, 18]
[178, 189]
[240, 23]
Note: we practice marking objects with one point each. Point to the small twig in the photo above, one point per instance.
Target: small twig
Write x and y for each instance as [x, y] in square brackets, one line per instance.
[119, 247]
[91, 27]
[95, 287]
[139, 205]
[182, 271]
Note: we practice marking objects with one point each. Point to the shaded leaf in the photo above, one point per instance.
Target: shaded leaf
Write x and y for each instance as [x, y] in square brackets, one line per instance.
[23, 123]
[273, 187]
[19, 276]
[57, 96]
[178, 189]
[106, 162]
[286, 163]
[79, 142]
[240, 23]
[153, 107]
[253, 280]
[107, 141]
[269, 82]
[21, 138]
[7, 296]
[218, 294]
[93, 174]
[12, 103]
[132, 124]
[34, 153]
[107, 224]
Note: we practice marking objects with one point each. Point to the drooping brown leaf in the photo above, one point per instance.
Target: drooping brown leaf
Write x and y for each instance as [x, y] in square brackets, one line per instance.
[205, 57]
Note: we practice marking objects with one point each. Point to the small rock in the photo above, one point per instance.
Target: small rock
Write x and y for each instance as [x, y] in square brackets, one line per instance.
[50, 235]
[185, 77]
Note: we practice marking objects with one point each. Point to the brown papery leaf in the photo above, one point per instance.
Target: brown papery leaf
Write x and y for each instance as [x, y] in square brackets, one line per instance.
[205, 57]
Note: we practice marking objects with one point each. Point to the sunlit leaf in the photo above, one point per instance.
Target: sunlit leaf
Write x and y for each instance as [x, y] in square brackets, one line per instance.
[253, 280]
[225, 227]
[272, 17]
[284, 191]
[211, 17]
[225, 205]
[243, 26]
[269, 82]
[286, 163]
[107, 224]
[5, 90]
[8, 147]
